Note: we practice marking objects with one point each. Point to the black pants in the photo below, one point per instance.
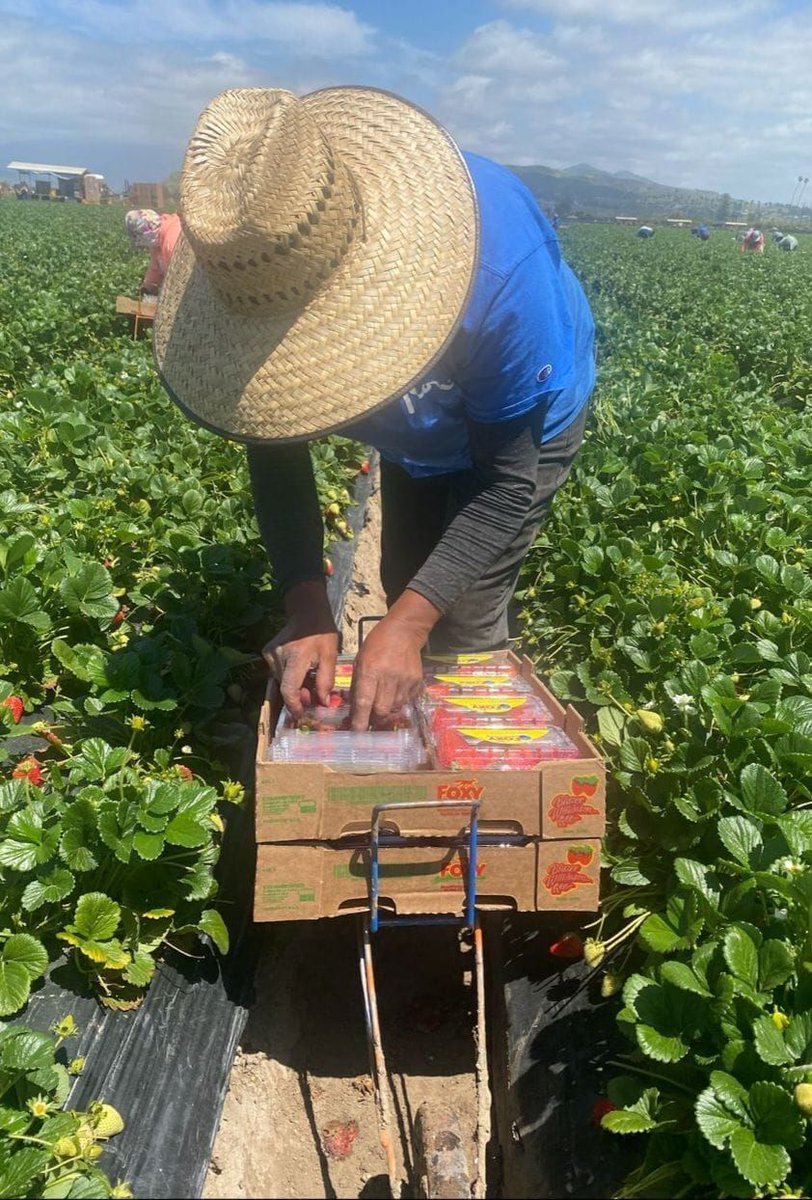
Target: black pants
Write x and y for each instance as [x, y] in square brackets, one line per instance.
[415, 514]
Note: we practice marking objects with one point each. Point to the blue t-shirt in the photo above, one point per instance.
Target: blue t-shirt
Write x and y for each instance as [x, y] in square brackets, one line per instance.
[526, 338]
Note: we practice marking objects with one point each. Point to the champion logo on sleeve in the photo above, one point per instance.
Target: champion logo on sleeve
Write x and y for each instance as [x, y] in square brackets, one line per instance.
[544, 373]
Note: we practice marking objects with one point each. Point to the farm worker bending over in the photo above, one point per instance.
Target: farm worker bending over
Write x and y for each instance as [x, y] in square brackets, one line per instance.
[788, 242]
[753, 240]
[645, 231]
[344, 267]
[148, 230]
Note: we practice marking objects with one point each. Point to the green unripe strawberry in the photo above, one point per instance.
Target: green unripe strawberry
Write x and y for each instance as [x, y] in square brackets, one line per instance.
[651, 721]
[611, 984]
[803, 1098]
[107, 1121]
[594, 952]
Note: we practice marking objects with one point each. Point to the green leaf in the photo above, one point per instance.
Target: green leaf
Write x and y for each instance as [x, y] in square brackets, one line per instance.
[776, 963]
[798, 1035]
[24, 1049]
[148, 845]
[97, 916]
[633, 753]
[797, 830]
[15, 984]
[704, 644]
[693, 875]
[660, 1046]
[681, 976]
[761, 791]
[731, 1093]
[611, 724]
[110, 954]
[89, 591]
[185, 830]
[759, 1164]
[141, 969]
[49, 889]
[769, 1041]
[20, 602]
[776, 1118]
[592, 559]
[213, 924]
[741, 955]
[628, 1120]
[28, 951]
[713, 1118]
[86, 662]
[20, 1170]
[740, 836]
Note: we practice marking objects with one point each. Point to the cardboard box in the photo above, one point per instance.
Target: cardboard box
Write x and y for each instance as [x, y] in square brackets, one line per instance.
[296, 802]
[305, 880]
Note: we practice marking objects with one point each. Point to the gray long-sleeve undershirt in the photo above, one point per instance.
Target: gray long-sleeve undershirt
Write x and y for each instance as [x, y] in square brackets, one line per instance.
[492, 504]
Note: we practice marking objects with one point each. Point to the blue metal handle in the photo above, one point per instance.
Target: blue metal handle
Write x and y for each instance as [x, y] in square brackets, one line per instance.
[469, 840]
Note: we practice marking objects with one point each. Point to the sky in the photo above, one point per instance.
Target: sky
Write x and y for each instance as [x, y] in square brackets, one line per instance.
[712, 94]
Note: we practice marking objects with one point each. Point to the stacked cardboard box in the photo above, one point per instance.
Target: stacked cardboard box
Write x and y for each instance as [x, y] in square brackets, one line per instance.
[540, 832]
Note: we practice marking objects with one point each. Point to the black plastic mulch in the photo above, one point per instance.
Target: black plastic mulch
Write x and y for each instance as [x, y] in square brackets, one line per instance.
[551, 1040]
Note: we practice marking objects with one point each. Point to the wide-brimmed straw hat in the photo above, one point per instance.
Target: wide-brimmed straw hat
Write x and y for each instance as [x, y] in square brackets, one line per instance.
[328, 251]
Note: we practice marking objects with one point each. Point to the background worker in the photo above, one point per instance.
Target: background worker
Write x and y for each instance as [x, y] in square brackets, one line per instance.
[753, 240]
[645, 231]
[158, 233]
[367, 277]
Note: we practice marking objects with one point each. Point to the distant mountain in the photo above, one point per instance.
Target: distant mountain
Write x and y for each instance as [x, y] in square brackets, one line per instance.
[586, 191]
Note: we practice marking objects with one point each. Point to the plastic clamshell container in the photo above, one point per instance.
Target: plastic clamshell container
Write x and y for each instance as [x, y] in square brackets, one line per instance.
[388, 749]
[501, 747]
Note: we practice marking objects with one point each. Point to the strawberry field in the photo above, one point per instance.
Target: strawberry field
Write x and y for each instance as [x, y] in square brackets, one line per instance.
[134, 599]
[670, 598]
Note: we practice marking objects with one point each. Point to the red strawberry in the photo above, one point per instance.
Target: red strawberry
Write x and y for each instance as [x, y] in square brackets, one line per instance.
[328, 567]
[29, 769]
[365, 467]
[15, 706]
[183, 771]
[580, 854]
[569, 945]
[338, 1138]
[120, 615]
[601, 1107]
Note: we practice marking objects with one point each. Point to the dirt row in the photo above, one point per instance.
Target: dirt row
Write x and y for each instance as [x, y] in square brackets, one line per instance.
[299, 1118]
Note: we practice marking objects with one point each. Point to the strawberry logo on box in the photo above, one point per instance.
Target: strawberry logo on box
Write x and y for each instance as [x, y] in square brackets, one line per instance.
[561, 877]
[582, 855]
[584, 785]
[567, 809]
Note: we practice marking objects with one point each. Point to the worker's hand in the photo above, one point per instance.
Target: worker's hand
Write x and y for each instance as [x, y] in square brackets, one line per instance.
[389, 669]
[308, 641]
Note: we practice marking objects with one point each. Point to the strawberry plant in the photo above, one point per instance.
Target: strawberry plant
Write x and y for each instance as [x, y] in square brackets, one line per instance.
[134, 599]
[46, 1152]
[671, 598]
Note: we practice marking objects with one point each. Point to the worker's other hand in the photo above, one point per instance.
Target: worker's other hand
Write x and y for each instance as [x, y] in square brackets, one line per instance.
[388, 670]
[308, 641]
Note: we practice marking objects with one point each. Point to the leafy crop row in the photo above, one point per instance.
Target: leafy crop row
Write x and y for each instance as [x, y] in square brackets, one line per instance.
[672, 597]
[134, 598]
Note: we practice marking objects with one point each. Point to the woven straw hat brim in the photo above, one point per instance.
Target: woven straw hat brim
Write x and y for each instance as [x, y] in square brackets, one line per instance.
[378, 324]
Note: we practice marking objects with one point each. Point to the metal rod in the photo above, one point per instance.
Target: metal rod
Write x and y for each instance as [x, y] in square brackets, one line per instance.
[377, 1063]
[483, 1090]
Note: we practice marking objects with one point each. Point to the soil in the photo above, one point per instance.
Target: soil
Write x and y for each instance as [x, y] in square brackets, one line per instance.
[365, 596]
[300, 1117]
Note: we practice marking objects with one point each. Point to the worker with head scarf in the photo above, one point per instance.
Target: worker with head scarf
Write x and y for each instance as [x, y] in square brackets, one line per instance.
[158, 233]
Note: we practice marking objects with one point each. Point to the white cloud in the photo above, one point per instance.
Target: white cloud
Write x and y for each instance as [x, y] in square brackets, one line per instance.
[302, 30]
[688, 16]
[500, 48]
